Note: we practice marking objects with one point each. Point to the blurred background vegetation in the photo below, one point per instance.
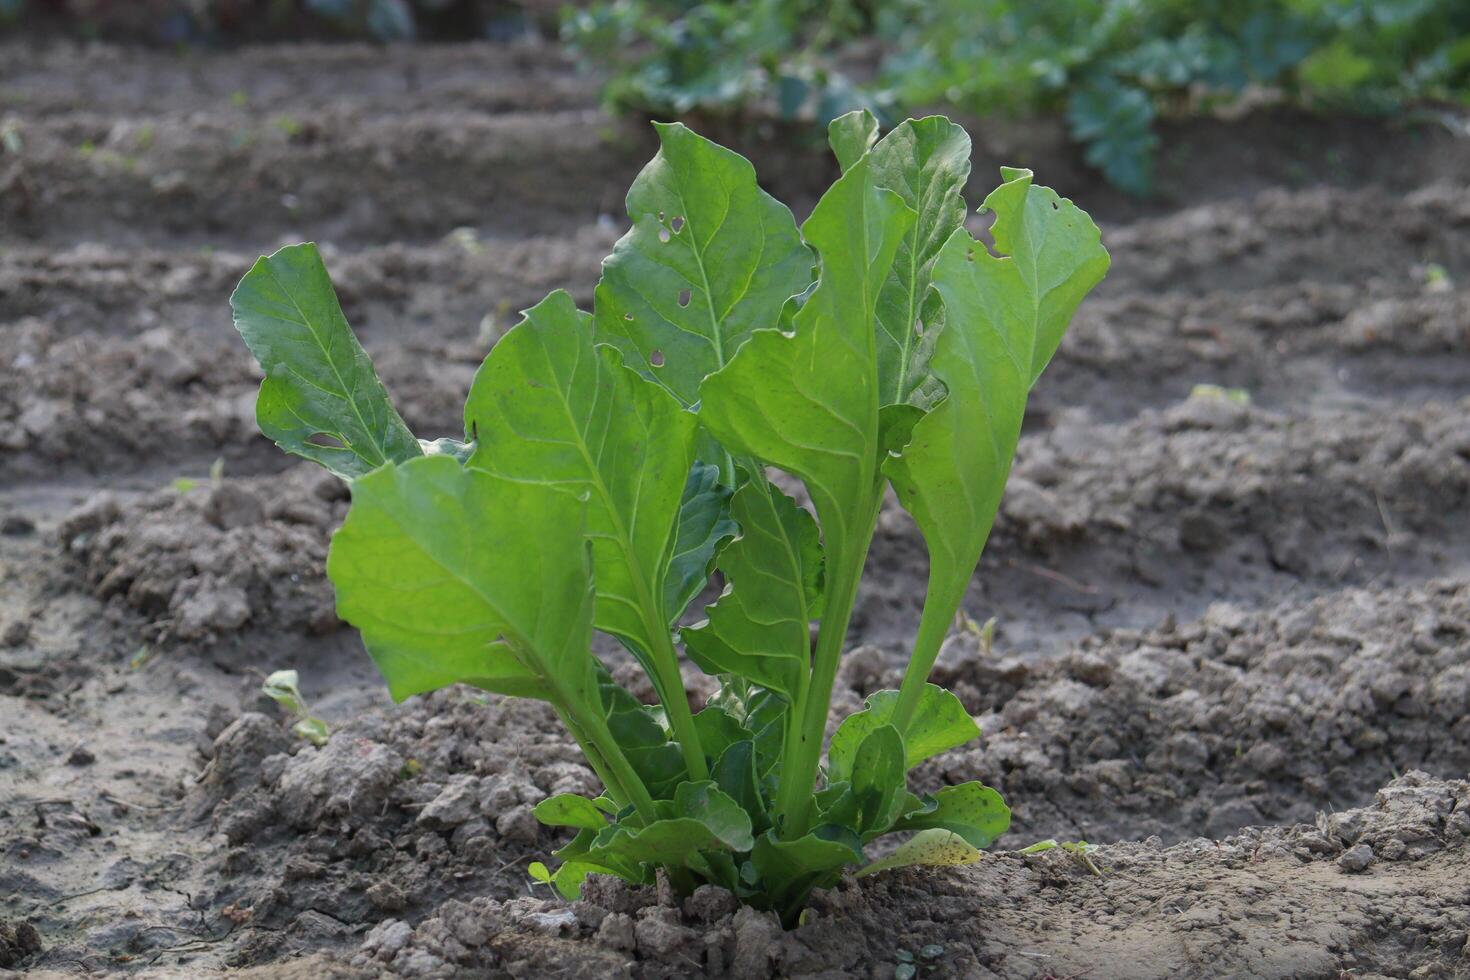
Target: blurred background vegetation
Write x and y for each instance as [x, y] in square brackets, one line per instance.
[1110, 68]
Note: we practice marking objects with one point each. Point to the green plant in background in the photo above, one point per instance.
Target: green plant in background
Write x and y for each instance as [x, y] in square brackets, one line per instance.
[1110, 68]
[613, 460]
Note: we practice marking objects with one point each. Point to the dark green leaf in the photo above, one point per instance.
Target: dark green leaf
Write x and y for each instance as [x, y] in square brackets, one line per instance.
[704, 527]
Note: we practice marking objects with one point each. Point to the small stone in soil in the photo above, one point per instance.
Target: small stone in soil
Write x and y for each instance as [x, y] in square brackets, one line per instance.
[1356, 859]
[80, 755]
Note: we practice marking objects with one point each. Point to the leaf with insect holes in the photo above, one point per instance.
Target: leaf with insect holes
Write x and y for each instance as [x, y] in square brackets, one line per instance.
[933, 848]
[760, 628]
[1004, 319]
[705, 525]
[926, 162]
[940, 724]
[710, 258]
[420, 569]
[808, 402]
[547, 408]
[320, 398]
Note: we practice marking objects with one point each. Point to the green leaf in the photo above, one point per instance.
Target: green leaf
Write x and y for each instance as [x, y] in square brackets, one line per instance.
[548, 409]
[735, 773]
[718, 730]
[420, 569]
[936, 848]
[760, 628]
[320, 398]
[720, 813]
[851, 135]
[940, 724]
[974, 811]
[710, 258]
[658, 761]
[1005, 317]
[570, 810]
[878, 778]
[704, 527]
[926, 162]
[808, 402]
[789, 870]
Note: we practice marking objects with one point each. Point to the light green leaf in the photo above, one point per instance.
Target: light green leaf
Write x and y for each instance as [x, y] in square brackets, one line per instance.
[710, 258]
[878, 778]
[936, 848]
[321, 398]
[940, 724]
[548, 409]
[419, 567]
[1004, 320]
[704, 527]
[760, 628]
[974, 811]
[851, 135]
[926, 162]
[570, 810]
[808, 402]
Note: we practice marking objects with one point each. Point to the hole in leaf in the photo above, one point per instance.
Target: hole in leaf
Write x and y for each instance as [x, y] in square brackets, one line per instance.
[656, 358]
[970, 255]
[1055, 206]
[684, 296]
[660, 216]
[918, 328]
[663, 235]
[325, 441]
[627, 316]
[678, 223]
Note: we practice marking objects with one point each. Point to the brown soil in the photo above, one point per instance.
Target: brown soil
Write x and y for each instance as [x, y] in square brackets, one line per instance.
[1234, 635]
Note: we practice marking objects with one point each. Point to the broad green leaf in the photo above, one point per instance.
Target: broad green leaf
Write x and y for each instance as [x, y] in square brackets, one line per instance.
[1005, 317]
[320, 398]
[974, 811]
[789, 870]
[760, 628]
[420, 569]
[718, 730]
[725, 818]
[936, 848]
[940, 724]
[710, 258]
[851, 135]
[570, 810]
[808, 402]
[548, 409]
[735, 774]
[658, 761]
[705, 819]
[926, 162]
[878, 772]
[704, 527]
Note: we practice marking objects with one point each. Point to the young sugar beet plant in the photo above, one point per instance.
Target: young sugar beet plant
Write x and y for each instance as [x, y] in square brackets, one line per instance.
[612, 461]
